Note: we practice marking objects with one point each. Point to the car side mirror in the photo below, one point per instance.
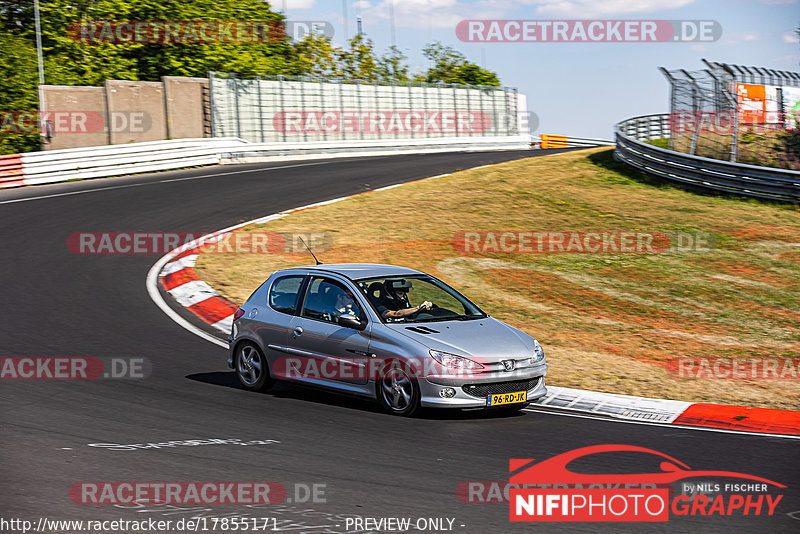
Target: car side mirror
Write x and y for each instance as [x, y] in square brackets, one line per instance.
[348, 320]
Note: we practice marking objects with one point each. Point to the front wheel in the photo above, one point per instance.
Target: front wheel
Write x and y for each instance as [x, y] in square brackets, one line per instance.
[398, 393]
[251, 368]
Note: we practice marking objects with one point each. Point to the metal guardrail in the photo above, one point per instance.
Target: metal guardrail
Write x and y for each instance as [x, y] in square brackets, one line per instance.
[565, 141]
[694, 171]
[52, 166]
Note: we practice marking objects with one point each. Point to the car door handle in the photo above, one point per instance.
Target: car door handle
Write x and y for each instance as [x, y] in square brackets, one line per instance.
[298, 330]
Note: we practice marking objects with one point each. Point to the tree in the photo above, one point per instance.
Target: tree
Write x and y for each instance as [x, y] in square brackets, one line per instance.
[392, 66]
[471, 74]
[359, 61]
[451, 66]
[18, 81]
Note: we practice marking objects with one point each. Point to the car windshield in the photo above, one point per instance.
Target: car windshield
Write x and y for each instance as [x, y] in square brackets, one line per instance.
[400, 293]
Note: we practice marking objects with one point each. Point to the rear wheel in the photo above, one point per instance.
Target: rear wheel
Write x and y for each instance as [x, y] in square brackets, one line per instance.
[252, 369]
[398, 393]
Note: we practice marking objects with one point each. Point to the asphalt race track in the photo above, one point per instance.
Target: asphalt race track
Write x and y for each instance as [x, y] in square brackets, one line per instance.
[56, 303]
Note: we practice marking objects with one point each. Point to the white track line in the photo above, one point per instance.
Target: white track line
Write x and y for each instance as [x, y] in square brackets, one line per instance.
[123, 186]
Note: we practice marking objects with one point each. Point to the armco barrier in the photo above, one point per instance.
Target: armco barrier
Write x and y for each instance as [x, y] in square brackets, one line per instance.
[10, 171]
[697, 172]
[564, 141]
[255, 152]
[115, 160]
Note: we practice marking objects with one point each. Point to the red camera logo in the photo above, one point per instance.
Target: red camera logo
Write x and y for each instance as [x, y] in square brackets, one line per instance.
[572, 496]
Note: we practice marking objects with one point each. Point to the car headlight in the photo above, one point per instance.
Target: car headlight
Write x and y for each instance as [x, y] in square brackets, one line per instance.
[538, 352]
[453, 361]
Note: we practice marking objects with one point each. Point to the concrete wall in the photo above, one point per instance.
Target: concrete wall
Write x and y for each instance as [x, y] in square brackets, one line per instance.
[77, 115]
[136, 111]
[186, 119]
[126, 111]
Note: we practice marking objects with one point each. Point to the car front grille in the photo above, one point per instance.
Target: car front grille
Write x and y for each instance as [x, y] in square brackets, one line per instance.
[484, 390]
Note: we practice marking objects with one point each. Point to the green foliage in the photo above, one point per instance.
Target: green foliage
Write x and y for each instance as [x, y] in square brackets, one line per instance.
[18, 80]
[451, 66]
[68, 60]
[392, 66]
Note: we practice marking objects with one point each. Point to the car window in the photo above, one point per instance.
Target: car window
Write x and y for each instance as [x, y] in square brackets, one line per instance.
[283, 293]
[327, 299]
[447, 304]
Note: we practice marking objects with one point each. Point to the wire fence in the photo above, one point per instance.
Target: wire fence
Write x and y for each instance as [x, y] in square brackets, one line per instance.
[270, 109]
[736, 114]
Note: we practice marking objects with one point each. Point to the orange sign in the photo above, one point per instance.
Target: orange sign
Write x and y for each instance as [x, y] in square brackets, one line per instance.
[752, 103]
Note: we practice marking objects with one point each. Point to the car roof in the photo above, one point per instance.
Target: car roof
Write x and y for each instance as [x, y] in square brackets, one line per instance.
[355, 271]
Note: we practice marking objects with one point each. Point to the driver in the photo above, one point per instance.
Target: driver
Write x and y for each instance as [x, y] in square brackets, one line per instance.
[345, 304]
[395, 305]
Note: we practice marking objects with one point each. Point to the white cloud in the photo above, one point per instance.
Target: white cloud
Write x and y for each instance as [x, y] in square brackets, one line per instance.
[448, 13]
[786, 62]
[593, 8]
[417, 13]
[292, 4]
[735, 38]
[790, 38]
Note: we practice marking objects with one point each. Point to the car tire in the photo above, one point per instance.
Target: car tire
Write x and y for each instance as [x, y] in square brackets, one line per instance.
[398, 393]
[251, 367]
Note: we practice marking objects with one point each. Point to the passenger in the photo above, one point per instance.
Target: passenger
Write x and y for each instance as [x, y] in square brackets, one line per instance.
[394, 304]
[345, 304]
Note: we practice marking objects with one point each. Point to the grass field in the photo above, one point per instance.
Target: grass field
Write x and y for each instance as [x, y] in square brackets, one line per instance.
[613, 322]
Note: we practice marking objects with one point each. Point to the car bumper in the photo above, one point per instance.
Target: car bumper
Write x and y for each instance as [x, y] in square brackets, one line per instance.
[431, 387]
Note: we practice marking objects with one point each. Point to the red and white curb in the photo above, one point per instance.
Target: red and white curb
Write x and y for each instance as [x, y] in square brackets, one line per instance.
[175, 272]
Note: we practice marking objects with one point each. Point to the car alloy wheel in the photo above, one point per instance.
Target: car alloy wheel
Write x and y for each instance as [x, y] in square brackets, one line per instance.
[397, 392]
[251, 368]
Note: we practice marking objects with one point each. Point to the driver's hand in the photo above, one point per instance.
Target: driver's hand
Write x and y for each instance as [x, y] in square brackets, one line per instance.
[425, 305]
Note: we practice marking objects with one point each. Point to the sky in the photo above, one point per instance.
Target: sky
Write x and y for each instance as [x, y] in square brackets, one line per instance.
[578, 89]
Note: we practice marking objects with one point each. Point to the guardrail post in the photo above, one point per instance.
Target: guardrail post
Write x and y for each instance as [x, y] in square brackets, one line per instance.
[236, 106]
[211, 102]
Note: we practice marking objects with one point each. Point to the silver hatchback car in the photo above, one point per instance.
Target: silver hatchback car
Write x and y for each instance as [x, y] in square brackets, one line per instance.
[389, 333]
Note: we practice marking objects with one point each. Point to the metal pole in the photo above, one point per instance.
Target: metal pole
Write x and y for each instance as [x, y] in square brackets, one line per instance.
[303, 108]
[43, 129]
[346, 25]
[236, 106]
[410, 106]
[360, 110]
[390, 3]
[341, 110]
[455, 106]
[283, 108]
[260, 107]
[211, 101]
[394, 106]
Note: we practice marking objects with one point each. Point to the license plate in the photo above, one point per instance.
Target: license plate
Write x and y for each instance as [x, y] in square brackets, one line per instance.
[506, 398]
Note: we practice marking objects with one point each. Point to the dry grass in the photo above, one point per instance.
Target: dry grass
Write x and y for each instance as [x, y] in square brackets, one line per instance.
[609, 322]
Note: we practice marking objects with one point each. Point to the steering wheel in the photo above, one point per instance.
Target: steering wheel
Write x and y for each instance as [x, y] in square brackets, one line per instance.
[423, 310]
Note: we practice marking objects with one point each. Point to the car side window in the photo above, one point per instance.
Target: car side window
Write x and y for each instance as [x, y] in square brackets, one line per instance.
[283, 293]
[327, 299]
